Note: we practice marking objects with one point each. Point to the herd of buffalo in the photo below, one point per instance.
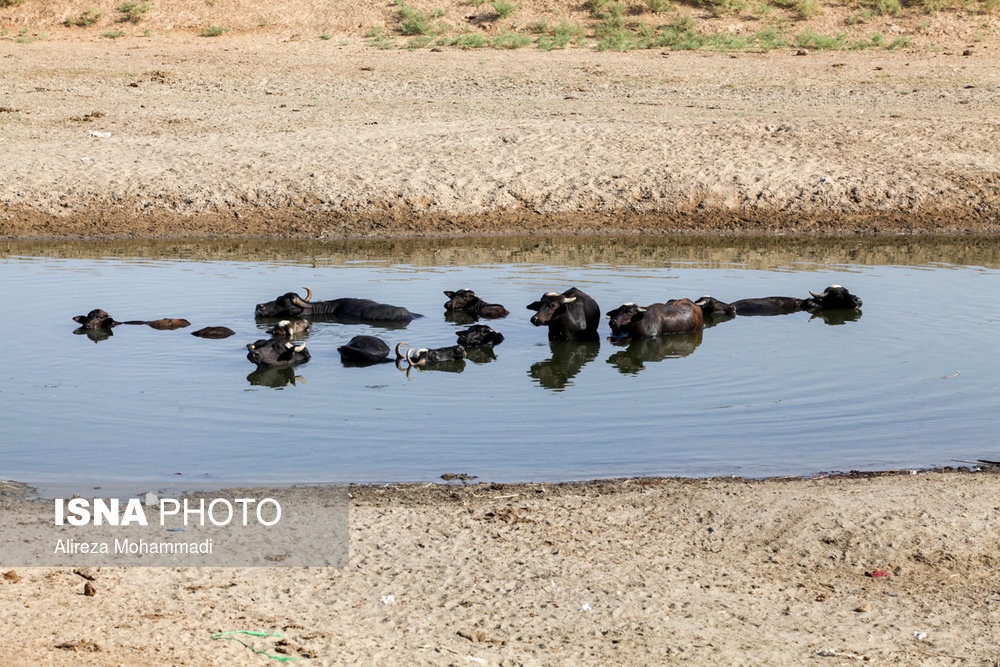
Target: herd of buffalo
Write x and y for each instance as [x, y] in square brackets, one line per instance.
[570, 316]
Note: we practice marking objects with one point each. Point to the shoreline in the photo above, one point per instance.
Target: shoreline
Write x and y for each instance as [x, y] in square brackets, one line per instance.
[881, 568]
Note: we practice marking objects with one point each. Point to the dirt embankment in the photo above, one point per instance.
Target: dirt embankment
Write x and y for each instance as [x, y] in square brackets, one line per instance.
[262, 135]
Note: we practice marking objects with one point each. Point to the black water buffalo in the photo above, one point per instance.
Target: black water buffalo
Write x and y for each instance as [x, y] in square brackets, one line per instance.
[425, 357]
[715, 309]
[364, 351]
[291, 305]
[834, 297]
[466, 300]
[98, 320]
[289, 328]
[95, 319]
[214, 332]
[572, 315]
[479, 335]
[657, 319]
[277, 352]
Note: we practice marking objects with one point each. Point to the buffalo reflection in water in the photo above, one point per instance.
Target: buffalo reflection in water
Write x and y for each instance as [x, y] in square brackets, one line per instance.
[639, 351]
[275, 377]
[568, 358]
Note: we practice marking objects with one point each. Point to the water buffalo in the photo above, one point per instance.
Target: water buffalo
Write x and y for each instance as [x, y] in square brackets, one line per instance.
[289, 328]
[364, 351]
[479, 335]
[213, 332]
[657, 319]
[834, 297]
[715, 309]
[425, 357]
[466, 300]
[95, 319]
[277, 352]
[165, 323]
[572, 315]
[98, 319]
[291, 305]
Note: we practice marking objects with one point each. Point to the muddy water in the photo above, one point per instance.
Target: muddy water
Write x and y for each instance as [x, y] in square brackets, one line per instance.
[910, 381]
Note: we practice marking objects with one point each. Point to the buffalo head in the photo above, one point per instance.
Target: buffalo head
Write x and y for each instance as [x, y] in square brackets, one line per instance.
[460, 299]
[479, 335]
[276, 352]
[621, 318]
[712, 307]
[548, 307]
[834, 297]
[289, 304]
[95, 319]
[289, 328]
[425, 357]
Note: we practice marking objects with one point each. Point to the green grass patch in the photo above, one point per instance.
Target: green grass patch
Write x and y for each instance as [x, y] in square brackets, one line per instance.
[87, 18]
[413, 22]
[512, 40]
[113, 34]
[503, 8]
[214, 31]
[134, 12]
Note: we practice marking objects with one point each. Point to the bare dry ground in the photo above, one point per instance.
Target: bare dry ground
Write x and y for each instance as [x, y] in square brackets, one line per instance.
[271, 130]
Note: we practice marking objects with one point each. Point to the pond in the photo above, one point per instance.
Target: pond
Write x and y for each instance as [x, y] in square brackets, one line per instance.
[909, 382]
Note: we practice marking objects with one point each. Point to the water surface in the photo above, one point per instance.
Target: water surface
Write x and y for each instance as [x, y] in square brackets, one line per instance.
[909, 383]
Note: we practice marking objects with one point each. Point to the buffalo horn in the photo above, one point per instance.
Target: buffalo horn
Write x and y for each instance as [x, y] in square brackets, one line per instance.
[569, 299]
[418, 362]
[399, 354]
[303, 303]
[817, 296]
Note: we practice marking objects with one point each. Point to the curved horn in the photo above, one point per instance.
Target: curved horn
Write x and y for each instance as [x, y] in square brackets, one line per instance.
[299, 348]
[569, 299]
[817, 296]
[309, 294]
[418, 362]
[400, 355]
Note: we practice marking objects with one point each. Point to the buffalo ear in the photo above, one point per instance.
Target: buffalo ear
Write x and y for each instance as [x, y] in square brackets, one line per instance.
[80, 319]
[449, 294]
[535, 305]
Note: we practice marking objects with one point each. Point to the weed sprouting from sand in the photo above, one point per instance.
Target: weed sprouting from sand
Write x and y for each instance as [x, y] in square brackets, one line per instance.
[214, 31]
[413, 22]
[134, 12]
[113, 34]
[503, 8]
[87, 18]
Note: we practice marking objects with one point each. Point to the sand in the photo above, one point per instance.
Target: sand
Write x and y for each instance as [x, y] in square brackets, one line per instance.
[312, 139]
[180, 136]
